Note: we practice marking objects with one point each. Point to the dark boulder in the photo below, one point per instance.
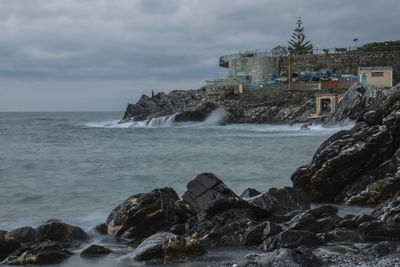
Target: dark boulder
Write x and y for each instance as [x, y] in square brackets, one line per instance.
[388, 211]
[225, 221]
[249, 192]
[178, 229]
[290, 199]
[341, 235]
[290, 239]
[264, 201]
[22, 235]
[162, 104]
[360, 165]
[297, 257]
[302, 221]
[142, 215]
[308, 222]
[379, 250]
[259, 232]
[167, 246]
[355, 100]
[95, 251]
[7, 247]
[199, 113]
[61, 232]
[324, 211]
[42, 253]
[342, 158]
[204, 189]
[380, 231]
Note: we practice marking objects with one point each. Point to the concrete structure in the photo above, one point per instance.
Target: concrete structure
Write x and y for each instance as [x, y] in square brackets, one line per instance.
[376, 76]
[326, 104]
[255, 66]
[255, 69]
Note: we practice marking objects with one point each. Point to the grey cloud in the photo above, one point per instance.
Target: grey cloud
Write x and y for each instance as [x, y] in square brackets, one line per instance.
[126, 47]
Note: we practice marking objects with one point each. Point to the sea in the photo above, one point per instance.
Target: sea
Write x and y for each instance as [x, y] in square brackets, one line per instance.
[78, 166]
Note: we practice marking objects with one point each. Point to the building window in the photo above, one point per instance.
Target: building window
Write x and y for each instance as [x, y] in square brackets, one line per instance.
[377, 74]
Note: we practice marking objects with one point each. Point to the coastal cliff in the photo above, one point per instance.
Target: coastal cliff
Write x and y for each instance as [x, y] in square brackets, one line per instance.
[285, 106]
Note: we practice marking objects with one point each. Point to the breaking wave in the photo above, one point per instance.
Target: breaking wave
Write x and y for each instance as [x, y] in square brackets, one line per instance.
[215, 118]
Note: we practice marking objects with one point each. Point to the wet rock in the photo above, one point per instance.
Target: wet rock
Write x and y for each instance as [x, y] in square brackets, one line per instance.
[290, 239]
[271, 229]
[178, 229]
[249, 192]
[305, 126]
[348, 221]
[167, 246]
[363, 218]
[302, 221]
[341, 235]
[264, 201]
[360, 165]
[307, 221]
[379, 250]
[7, 247]
[355, 100]
[388, 211]
[290, 199]
[324, 211]
[282, 257]
[61, 232]
[144, 214]
[204, 189]
[22, 235]
[380, 231]
[199, 113]
[257, 233]
[42, 253]
[285, 217]
[95, 251]
[225, 221]
[162, 104]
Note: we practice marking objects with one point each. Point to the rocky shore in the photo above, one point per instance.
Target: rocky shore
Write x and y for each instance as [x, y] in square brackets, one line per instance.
[248, 107]
[279, 227]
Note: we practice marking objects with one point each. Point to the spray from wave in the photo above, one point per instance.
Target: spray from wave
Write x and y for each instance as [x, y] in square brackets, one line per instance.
[215, 118]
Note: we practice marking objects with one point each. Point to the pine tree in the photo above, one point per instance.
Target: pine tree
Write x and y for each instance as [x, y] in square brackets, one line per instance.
[297, 44]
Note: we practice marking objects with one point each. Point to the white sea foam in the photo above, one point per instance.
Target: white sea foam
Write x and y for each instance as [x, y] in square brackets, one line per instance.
[215, 120]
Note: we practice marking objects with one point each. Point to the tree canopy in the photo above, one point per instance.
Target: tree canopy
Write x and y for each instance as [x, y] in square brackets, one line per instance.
[298, 44]
[386, 46]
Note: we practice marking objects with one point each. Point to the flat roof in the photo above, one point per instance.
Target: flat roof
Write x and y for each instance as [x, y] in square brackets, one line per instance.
[375, 68]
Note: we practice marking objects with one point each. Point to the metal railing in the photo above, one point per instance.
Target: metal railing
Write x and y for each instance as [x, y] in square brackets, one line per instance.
[224, 60]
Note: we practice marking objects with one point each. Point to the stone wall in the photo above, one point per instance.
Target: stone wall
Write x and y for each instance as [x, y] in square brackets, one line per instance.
[260, 67]
[344, 63]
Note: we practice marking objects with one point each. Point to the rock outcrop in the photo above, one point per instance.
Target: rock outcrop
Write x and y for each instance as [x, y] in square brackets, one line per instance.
[142, 215]
[355, 100]
[166, 245]
[360, 165]
[43, 253]
[248, 107]
[95, 251]
[162, 104]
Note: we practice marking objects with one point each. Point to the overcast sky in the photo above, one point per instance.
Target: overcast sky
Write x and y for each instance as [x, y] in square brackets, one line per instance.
[89, 55]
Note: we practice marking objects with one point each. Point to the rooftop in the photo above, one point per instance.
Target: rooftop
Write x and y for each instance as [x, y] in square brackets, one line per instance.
[375, 68]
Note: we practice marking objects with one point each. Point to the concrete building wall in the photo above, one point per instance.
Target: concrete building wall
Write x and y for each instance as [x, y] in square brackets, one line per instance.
[344, 63]
[377, 81]
[257, 67]
[260, 67]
